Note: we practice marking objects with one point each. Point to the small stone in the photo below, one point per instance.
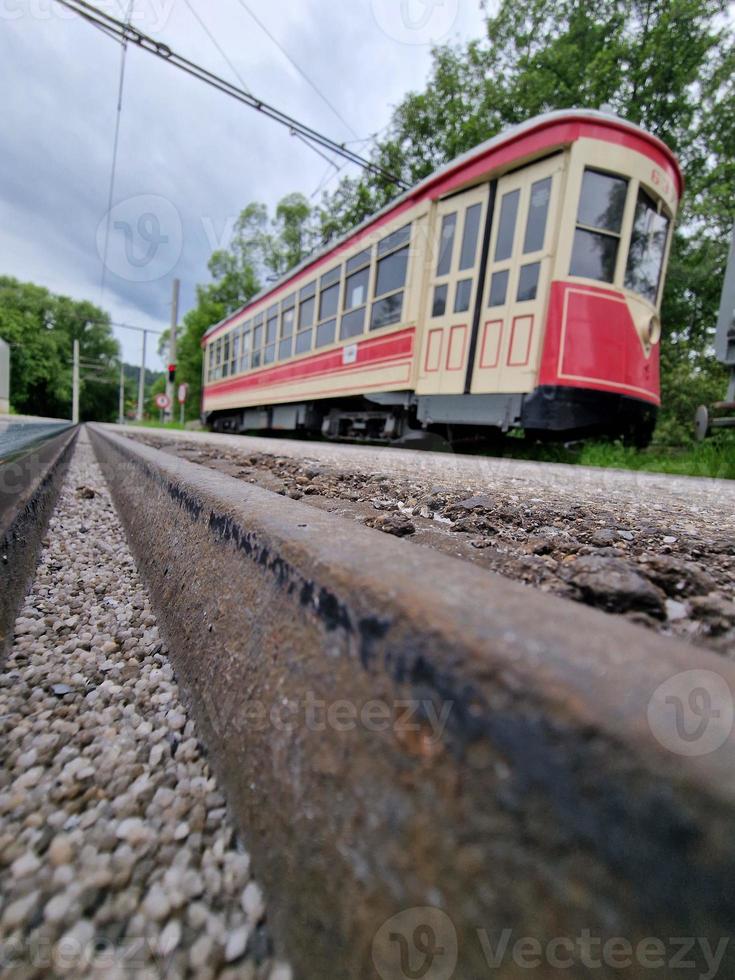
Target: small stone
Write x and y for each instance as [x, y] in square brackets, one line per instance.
[16, 914]
[237, 941]
[182, 831]
[175, 720]
[156, 904]
[613, 584]
[133, 830]
[170, 938]
[57, 908]
[280, 971]
[61, 689]
[60, 850]
[676, 610]
[26, 864]
[252, 902]
[200, 952]
[395, 524]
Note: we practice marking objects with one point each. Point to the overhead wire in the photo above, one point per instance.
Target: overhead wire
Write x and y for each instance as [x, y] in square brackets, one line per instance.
[217, 45]
[246, 7]
[161, 50]
[113, 166]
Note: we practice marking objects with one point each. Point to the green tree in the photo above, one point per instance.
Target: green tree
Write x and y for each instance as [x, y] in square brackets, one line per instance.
[40, 328]
[260, 249]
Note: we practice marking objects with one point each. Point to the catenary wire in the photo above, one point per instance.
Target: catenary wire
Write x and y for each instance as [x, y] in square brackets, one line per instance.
[161, 50]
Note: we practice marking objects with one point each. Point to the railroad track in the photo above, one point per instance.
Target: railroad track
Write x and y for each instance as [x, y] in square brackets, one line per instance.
[34, 454]
[398, 731]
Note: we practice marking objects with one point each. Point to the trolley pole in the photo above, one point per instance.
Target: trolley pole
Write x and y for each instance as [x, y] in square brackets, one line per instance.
[75, 386]
[170, 384]
[121, 404]
[141, 382]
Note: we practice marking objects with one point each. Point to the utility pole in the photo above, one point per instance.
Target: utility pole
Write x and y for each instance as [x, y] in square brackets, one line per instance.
[170, 384]
[141, 382]
[75, 386]
[121, 405]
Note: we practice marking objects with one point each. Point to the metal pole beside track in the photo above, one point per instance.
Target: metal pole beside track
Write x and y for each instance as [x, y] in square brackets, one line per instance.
[141, 382]
[75, 386]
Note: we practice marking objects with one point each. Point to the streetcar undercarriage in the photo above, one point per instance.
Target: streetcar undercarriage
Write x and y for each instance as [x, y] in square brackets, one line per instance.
[549, 413]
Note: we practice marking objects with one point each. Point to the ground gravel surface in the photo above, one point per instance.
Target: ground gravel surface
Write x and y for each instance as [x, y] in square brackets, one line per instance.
[659, 550]
[116, 853]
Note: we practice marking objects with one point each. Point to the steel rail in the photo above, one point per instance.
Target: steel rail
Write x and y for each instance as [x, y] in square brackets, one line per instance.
[33, 461]
[395, 729]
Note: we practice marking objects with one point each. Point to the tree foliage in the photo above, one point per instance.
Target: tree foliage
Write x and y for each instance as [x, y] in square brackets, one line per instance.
[40, 328]
[260, 249]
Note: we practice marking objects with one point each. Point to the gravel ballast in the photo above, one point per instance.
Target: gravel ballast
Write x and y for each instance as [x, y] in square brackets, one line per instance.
[656, 549]
[117, 855]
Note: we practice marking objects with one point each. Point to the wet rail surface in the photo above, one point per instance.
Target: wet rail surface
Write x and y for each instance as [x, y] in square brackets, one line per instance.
[399, 732]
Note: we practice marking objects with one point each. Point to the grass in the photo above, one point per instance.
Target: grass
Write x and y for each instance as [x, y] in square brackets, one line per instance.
[154, 424]
[715, 457]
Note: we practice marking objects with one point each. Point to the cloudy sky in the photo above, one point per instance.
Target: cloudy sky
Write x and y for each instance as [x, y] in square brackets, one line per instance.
[189, 157]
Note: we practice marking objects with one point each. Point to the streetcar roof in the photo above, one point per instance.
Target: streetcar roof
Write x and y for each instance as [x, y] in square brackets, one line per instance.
[417, 191]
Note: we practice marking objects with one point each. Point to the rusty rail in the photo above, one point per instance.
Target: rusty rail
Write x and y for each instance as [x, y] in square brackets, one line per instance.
[33, 461]
[403, 735]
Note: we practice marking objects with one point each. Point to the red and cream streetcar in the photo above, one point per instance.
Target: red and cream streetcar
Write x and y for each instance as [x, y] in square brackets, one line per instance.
[518, 287]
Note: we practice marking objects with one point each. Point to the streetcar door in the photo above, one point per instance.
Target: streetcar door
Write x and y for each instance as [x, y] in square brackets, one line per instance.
[455, 258]
[517, 278]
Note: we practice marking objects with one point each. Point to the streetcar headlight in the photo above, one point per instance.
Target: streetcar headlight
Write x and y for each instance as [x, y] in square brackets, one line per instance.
[653, 330]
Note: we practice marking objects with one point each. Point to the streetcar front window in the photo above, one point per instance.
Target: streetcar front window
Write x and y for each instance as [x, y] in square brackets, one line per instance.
[599, 222]
[647, 248]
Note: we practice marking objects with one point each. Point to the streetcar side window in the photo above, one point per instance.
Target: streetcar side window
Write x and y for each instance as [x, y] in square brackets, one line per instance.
[307, 303]
[507, 225]
[356, 295]
[390, 280]
[235, 350]
[647, 248]
[288, 320]
[271, 330]
[226, 356]
[210, 365]
[538, 212]
[446, 244]
[245, 346]
[329, 289]
[462, 296]
[599, 222]
[258, 341]
[469, 237]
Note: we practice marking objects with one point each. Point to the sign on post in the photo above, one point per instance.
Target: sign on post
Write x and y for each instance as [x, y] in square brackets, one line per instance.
[162, 401]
